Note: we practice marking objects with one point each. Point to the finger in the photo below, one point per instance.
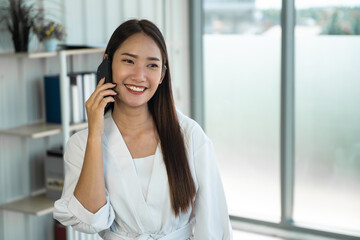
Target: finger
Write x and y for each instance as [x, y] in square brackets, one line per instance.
[102, 94]
[101, 82]
[105, 86]
[105, 101]
[101, 88]
[108, 92]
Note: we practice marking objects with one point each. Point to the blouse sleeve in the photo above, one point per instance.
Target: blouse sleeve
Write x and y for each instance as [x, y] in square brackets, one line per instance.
[68, 210]
[211, 213]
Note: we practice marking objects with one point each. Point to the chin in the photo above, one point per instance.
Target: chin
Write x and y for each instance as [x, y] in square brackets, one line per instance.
[134, 105]
[131, 102]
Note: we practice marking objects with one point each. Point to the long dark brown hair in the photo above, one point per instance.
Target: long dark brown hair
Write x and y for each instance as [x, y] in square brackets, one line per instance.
[162, 109]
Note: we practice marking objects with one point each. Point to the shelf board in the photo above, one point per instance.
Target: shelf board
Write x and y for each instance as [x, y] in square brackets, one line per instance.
[53, 54]
[39, 130]
[35, 205]
[30, 55]
[84, 51]
[78, 126]
[36, 130]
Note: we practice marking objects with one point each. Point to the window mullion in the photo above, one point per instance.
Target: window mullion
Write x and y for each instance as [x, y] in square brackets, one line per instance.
[287, 110]
[196, 61]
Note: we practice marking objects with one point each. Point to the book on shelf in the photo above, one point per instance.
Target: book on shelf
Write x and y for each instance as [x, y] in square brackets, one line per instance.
[77, 97]
[60, 231]
[89, 85]
[81, 86]
[52, 99]
[54, 172]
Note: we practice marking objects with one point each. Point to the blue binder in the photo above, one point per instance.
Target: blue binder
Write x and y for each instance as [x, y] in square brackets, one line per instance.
[52, 99]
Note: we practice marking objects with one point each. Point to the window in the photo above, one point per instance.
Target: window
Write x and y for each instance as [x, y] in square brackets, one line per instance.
[242, 87]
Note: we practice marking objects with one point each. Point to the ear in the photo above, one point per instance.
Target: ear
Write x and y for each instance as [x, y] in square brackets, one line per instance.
[163, 74]
[105, 55]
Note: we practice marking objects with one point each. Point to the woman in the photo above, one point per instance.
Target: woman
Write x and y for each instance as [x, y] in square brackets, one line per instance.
[144, 170]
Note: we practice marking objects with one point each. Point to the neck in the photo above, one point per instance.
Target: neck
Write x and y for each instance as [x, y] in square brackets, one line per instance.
[132, 120]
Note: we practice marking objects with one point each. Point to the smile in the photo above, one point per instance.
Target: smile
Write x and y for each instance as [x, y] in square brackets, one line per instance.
[135, 89]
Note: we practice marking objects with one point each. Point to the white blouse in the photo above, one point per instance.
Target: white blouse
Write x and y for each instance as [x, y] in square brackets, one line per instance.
[143, 167]
[127, 215]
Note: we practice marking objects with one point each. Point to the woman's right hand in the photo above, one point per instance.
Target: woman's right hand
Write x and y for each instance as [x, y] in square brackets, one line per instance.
[95, 107]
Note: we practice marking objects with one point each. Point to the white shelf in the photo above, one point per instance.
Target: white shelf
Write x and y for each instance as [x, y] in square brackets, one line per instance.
[35, 205]
[36, 130]
[39, 130]
[78, 126]
[29, 55]
[84, 51]
[53, 54]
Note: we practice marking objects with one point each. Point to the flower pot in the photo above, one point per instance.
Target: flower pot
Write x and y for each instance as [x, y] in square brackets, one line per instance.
[50, 45]
[21, 45]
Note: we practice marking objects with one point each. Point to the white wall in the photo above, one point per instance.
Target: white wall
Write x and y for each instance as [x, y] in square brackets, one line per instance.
[21, 90]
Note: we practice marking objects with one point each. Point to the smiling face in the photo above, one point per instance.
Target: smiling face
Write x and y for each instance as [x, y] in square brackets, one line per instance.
[137, 71]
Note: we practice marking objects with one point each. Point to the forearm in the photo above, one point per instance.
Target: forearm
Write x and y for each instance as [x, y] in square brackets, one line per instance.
[90, 189]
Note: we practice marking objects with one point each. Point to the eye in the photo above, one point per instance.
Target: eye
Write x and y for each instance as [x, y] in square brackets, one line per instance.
[128, 61]
[153, 65]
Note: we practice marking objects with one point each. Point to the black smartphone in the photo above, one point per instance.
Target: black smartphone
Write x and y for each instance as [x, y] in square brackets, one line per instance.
[104, 70]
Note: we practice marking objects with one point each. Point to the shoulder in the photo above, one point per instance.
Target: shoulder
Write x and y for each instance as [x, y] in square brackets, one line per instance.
[75, 148]
[78, 138]
[187, 124]
[192, 131]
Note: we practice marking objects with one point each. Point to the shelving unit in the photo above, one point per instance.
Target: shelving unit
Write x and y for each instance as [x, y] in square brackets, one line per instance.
[38, 204]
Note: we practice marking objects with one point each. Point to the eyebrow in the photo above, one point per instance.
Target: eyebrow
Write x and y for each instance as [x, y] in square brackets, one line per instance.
[136, 56]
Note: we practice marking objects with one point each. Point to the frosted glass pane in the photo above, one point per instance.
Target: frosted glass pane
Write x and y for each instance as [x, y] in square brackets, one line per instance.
[327, 114]
[242, 108]
[242, 101]
[327, 150]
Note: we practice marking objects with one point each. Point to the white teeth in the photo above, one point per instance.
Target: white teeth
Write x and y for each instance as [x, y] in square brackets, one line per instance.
[136, 89]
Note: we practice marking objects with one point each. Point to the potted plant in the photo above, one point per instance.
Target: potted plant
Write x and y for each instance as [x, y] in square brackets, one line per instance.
[19, 17]
[49, 33]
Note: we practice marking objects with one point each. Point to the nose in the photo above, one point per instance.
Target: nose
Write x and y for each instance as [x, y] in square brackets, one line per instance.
[139, 73]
